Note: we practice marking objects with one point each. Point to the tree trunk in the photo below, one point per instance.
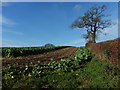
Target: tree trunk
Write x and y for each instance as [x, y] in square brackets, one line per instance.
[94, 34]
[93, 38]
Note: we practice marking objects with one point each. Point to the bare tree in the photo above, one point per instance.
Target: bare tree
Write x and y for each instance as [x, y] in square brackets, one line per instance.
[93, 21]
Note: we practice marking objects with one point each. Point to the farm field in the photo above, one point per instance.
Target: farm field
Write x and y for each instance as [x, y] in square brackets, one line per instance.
[46, 57]
[70, 67]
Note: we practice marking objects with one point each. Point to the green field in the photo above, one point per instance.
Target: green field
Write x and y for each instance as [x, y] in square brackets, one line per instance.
[25, 51]
[80, 70]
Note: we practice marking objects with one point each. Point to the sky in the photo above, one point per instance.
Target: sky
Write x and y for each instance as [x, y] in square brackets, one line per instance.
[38, 23]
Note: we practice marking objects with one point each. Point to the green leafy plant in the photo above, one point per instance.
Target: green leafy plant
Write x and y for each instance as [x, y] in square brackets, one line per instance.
[40, 70]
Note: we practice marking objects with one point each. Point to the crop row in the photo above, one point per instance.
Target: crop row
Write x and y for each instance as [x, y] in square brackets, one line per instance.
[24, 51]
[39, 70]
[13, 74]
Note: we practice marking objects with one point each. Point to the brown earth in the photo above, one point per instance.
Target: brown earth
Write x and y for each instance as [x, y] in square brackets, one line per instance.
[54, 55]
[107, 50]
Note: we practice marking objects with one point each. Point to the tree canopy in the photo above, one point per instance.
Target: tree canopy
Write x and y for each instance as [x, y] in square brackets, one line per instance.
[49, 45]
[93, 21]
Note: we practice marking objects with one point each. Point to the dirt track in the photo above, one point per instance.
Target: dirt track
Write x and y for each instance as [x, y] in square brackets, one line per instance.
[55, 55]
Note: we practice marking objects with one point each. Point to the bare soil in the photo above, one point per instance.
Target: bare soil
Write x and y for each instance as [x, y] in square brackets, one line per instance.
[47, 57]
